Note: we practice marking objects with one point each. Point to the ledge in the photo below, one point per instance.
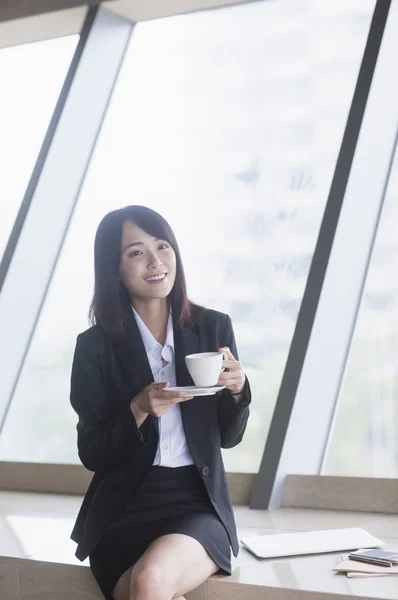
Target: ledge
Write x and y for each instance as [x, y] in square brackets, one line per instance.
[34, 531]
[370, 494]
[75, 479]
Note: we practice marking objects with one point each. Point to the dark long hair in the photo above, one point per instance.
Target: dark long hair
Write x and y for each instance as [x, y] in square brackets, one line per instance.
[111, 304]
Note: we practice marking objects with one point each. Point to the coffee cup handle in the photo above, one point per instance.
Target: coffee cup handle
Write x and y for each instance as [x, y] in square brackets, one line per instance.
[224, 357]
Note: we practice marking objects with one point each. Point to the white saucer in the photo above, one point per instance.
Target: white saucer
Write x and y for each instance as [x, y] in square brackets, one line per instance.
[194, 390]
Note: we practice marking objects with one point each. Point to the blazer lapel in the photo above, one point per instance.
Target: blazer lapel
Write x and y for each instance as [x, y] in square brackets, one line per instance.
[185, 342]
[132, 356]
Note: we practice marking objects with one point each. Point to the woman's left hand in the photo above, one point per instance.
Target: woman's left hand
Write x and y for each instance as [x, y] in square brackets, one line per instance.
[234, 378]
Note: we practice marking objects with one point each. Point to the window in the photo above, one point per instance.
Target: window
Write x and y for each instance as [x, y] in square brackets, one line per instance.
[229, 123]
[31, 79]
[364, 440]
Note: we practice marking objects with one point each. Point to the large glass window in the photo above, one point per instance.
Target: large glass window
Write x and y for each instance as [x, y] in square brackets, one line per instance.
[365, 436]
[229, 123]
[31, 79]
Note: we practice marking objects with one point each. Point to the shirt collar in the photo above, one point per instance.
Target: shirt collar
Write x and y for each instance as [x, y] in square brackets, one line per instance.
[169, 343]
[147, 337]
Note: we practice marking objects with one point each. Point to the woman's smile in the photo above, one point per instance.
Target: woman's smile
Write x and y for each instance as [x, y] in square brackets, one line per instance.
[156, 278]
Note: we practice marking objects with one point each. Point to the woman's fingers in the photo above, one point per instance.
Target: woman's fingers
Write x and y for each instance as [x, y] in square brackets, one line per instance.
[228, 352]
[231, 364]
[156, 399]
[166, 395]
[234, 378]
[229, 375]
[159, 386]
[168, 398]
[231, 383]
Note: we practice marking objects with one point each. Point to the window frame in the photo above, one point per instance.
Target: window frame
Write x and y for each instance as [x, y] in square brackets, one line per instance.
[115, 22]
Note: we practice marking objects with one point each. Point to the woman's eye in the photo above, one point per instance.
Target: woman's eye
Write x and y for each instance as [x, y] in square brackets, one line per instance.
[135, 253]
[163, 247]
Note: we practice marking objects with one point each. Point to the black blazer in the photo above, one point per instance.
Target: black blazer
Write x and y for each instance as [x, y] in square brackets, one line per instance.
[105, 378]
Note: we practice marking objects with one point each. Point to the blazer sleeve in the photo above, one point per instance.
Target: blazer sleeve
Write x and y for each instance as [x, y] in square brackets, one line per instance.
[233, 415]
[105, 440]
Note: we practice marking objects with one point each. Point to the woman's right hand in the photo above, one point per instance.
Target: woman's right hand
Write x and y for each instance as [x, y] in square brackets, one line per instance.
[155, 400]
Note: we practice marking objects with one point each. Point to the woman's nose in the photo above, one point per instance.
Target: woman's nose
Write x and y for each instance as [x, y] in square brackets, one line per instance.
[154, 261]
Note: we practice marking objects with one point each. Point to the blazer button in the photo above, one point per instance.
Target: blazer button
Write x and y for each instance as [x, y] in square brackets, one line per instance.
[205, 471]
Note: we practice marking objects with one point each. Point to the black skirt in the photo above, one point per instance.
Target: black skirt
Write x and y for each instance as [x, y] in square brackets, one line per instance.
[170, 500]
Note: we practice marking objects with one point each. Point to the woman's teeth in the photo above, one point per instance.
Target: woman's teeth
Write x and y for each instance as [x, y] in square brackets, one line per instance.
[156, 277]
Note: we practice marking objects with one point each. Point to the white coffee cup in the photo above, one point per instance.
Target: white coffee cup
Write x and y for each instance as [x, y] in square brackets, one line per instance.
[205, 367]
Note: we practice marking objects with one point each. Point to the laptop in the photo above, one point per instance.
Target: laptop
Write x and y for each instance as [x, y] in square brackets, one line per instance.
[310, 542]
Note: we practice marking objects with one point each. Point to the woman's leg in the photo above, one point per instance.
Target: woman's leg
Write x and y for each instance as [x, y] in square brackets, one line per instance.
[121, 590]
[172, 565]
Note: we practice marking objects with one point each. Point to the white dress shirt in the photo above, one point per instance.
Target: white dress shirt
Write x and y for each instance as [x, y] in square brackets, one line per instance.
[172, 449]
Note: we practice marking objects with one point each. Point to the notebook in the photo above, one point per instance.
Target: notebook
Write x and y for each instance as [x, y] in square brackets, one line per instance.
[310, 542]
[353, 568]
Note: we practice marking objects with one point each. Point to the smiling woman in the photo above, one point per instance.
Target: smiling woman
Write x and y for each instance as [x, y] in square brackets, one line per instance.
[132, 246]
[138, 436]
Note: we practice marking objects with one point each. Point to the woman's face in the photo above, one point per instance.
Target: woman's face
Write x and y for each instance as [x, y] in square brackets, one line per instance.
[147, 265]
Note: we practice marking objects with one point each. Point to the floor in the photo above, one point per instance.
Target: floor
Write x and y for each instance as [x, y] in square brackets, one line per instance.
[37, 526]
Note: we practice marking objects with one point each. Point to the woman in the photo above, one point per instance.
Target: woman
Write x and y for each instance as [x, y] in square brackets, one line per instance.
[157, 519]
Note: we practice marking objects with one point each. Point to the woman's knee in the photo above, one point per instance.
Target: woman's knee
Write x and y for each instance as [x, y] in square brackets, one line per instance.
[149, 580]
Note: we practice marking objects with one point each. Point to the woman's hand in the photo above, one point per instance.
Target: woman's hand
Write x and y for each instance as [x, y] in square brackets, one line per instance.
[155, 400]
[233, 379]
